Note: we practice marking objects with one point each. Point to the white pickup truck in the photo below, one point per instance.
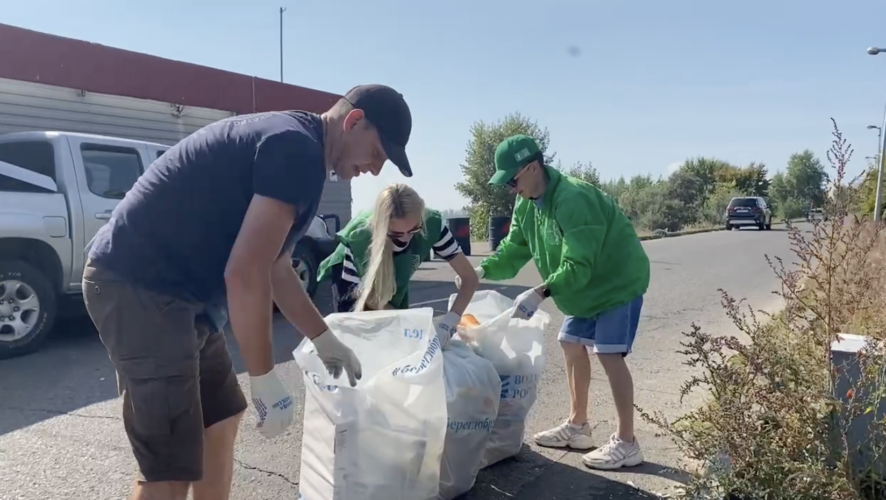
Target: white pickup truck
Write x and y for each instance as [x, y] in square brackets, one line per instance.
[56, 190]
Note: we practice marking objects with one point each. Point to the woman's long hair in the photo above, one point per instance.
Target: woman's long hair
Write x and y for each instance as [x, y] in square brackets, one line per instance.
[378, 285]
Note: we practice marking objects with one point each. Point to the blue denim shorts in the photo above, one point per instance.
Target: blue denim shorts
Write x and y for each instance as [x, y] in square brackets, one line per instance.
[611, 332]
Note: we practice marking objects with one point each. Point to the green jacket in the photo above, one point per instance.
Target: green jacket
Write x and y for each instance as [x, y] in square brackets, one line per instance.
[357, 235]
[585, 248]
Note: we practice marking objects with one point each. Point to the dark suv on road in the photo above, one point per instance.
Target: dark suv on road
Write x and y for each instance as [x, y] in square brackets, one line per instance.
[748, 211]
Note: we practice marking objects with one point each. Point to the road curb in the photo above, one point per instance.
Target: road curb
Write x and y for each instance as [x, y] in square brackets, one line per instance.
[686, 232]
[645, 237]
[673, 234]
[482, 246]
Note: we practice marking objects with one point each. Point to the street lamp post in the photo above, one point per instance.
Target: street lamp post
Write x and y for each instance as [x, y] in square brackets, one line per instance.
[880, 157]
[879, 135]
[874, 159]
[282, 10]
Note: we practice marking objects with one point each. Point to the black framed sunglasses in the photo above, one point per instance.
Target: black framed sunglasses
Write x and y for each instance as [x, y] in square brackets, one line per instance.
[513, 182]
[417, 229]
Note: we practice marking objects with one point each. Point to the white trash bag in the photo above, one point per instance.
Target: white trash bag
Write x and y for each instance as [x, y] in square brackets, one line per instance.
[472, 394]
[516, 349]
[384, 438]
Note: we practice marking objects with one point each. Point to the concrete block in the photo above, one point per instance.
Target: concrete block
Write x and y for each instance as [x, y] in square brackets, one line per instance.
[864, 437]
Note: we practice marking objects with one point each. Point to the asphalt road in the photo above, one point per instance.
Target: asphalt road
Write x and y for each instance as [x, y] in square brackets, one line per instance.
[61, 436]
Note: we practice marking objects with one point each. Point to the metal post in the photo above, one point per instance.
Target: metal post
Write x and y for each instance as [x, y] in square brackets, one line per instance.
[880, 136]
[879, 198]
[879, 144]
[882, 156]
[282, 10]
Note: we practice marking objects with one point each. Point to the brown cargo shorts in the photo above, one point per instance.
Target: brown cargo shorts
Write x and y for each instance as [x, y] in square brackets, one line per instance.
[173, 370]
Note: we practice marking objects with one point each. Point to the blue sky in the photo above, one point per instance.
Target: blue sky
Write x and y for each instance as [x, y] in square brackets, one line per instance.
[654, 82]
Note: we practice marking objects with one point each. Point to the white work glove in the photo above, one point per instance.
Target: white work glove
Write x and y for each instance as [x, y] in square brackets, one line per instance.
[446, 327]
[527, 303]
[337, 357]
[273, 405]
[480, 272]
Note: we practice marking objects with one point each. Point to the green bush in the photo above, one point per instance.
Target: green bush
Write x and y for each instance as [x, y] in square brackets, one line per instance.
[651, 208]
[479, 215]
[714, 210]
[792, 208]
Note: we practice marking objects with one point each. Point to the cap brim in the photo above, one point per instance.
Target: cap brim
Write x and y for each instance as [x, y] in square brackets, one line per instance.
[501, 177]
[398, 157]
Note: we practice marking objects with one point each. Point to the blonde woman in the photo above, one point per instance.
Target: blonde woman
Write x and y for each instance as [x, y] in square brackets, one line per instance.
[380, 249]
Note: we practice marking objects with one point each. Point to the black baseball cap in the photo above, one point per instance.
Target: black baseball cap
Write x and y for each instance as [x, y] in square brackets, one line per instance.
[388, 112]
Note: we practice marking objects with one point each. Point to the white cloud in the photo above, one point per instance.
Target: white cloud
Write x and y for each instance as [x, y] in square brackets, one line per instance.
[673, 166]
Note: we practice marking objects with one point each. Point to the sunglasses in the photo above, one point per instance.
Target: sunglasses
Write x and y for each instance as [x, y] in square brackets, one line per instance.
[513, 182]
[417, 229]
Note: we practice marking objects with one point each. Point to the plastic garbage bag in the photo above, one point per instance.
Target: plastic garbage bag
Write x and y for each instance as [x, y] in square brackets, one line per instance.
[515, 347]
[384, 438]
[472, 395]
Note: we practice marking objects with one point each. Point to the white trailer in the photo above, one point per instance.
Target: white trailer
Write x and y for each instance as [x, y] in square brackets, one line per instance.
[27, 106]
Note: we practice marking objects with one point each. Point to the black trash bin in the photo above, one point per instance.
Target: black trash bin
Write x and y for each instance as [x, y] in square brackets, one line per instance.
[499, 227]
[460, 227]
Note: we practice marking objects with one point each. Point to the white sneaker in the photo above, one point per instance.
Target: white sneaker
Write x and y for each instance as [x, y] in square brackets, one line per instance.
[614, 454]
[566, 435]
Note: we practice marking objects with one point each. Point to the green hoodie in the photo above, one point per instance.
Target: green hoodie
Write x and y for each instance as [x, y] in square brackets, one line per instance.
[358, 236]
[585, 248]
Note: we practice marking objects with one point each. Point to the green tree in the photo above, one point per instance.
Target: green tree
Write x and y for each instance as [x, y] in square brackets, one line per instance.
[690, 190]
[650, 206]
[868, 191]
[709, 172]
[805, 178]
[585, 172]
[778, 188]
[800, 186]
[752, 180]
[792, 208]
[714, 209]
[640, 182]
[479, 166]
[614, 188]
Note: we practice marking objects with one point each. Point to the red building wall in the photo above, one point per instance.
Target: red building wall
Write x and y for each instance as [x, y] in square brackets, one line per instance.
[36, 57]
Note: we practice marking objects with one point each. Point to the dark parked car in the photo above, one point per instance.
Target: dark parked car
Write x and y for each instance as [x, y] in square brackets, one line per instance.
[748, 211]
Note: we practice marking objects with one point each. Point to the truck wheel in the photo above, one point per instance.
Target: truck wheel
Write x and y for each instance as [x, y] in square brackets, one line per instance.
[304, 261]
[28, 308]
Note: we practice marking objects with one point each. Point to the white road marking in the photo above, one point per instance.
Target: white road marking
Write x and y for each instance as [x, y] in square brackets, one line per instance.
[446, 299]
[417, 304]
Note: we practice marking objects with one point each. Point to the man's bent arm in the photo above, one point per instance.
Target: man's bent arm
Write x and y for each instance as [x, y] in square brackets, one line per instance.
[292, 299]
[280, 191]
[513, 253]
[248, 279]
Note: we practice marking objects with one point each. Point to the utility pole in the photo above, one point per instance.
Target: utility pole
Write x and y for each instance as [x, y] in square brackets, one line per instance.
[282, 10]
[879, 163]
[878, 200]
[881, 156]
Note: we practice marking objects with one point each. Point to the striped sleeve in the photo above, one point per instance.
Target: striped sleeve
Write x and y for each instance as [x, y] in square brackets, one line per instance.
[447, 248]
[349, 270]
[344, 300]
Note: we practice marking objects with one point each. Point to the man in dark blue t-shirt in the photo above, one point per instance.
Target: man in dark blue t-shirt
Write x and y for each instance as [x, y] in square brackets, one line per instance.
[208, 231]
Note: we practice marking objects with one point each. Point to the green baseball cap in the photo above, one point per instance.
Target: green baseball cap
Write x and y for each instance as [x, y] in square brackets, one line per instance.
[511, 155]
